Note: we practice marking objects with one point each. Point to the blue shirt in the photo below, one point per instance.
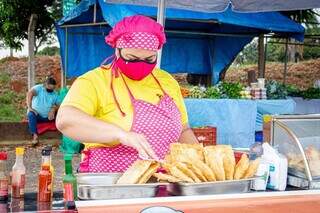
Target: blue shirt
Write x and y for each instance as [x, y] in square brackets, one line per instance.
[43, 100]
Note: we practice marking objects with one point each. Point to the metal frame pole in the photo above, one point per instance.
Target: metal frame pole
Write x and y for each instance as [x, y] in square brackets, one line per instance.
[285, 62]
[161, 20]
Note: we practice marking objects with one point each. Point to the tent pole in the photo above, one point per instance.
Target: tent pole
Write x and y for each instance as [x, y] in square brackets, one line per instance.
[285, 62]
[265, 56]
[261, 56]
[84, 25]
[64, 71]
[94, 13]
[160, 20]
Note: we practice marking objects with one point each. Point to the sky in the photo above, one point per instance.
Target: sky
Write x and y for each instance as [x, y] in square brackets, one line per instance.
[24, 52]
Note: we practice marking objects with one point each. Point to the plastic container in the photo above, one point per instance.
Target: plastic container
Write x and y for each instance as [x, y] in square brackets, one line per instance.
[261, 83]
[260, 184]
[256, 151]
[18, 175]
[206, 135]
[3, 177]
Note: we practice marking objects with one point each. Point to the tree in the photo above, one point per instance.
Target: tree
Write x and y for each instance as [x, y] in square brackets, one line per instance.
[51, 51]
[307, 17]
[15, 16]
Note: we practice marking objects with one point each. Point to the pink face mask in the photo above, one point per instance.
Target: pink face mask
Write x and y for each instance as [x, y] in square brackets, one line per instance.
[135, 69]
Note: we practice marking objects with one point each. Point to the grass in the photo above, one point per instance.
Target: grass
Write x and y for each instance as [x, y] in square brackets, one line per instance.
[10, 107]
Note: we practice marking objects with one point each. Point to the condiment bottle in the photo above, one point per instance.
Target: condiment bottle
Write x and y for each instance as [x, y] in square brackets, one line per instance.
[3, 177]
[45, 178]
[49, 149]
[18, 175]
[69, 181]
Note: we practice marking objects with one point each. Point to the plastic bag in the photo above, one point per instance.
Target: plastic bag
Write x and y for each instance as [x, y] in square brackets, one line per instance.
[278, 167]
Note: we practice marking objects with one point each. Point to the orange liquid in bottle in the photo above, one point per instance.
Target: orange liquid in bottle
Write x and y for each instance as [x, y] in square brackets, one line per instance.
[44, 190]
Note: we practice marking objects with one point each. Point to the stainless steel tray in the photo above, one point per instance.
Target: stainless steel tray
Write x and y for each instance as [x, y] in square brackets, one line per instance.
[210, 188]
[303, 183]
[101, 186]
[300, 174]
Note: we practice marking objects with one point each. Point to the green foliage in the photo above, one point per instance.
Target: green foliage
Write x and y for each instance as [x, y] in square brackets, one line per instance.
[51, 51]
[8, 108]
[9, 101]
[4, 78]
[197, 92]
[249, 54]
[230, 90]
[212, 92]
[15, 16]
[276, 90]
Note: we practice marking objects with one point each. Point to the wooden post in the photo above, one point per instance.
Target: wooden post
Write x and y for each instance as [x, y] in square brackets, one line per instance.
[285, 62]
[31, 45]
[261, 56]
[11, 52]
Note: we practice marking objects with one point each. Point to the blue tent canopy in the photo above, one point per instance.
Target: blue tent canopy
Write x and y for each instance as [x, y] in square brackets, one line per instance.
[197, 42]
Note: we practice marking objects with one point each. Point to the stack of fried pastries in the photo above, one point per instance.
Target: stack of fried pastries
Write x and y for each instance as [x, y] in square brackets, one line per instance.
[192, 163]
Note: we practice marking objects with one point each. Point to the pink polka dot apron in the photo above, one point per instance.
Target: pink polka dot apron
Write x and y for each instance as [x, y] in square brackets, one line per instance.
[159, 123]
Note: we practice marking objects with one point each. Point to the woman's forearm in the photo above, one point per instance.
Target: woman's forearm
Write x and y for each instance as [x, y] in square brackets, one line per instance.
[187, 136]
[80, 126]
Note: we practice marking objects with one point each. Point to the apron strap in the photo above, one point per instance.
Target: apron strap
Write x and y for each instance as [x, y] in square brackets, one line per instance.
[158, 82]
[116, 73]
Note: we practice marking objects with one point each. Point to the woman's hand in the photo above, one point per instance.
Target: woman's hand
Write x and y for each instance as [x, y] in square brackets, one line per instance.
[140, 143]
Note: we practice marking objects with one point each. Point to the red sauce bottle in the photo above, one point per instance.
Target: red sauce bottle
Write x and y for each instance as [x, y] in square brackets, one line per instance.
[45, 179]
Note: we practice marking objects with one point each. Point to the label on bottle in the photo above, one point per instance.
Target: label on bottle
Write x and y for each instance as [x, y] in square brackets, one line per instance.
[67, 192]
[18, 184]
[22, 184]
[3, 187]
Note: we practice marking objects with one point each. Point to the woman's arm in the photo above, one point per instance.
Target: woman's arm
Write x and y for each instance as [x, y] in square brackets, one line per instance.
[187, 135]
[80, 126]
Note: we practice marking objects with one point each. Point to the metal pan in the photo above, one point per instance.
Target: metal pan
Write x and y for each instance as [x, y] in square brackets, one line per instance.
[210, 188]
[101, 186]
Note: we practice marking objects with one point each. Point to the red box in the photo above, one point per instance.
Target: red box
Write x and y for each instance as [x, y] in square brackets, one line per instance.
[206, 135]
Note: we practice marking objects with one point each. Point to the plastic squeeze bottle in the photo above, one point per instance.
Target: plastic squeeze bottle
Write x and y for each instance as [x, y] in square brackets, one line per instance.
[18, 175]
[45, 178]
[3, 177]
[69, 181]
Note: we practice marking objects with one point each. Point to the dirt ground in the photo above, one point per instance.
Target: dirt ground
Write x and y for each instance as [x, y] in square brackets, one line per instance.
[32, 162]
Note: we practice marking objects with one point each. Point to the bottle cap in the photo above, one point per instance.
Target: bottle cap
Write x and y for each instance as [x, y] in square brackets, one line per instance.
[45, 152]
[49, 148]
[3, 156]
[267, 118]
[71, 205]
[19, 151]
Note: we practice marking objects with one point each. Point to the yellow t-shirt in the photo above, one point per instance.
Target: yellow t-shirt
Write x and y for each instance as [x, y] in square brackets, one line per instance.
[91, 93]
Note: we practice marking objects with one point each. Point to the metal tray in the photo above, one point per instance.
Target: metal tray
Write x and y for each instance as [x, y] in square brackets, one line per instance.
[101, 186]
[303, 183]
[210, 188]
[300, 174]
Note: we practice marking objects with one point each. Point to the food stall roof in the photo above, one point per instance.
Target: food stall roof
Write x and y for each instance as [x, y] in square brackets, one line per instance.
[210, 41]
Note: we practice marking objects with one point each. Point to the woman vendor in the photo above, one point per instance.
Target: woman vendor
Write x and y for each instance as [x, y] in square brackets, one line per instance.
[128, 109]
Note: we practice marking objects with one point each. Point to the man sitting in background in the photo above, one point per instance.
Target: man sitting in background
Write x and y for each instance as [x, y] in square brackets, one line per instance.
[42, 102]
